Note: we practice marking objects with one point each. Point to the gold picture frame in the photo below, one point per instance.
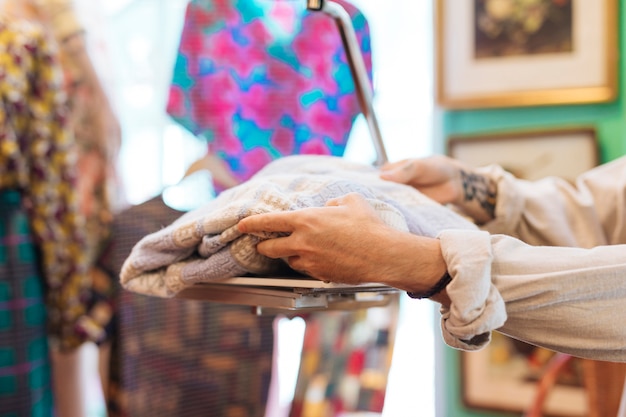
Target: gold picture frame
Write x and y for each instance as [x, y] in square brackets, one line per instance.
[483, 59]
[504, 375]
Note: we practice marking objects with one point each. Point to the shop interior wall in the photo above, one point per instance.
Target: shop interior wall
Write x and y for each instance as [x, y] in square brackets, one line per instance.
[608, 119]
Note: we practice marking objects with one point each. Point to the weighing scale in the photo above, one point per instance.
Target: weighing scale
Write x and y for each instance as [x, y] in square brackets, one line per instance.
[300, 293]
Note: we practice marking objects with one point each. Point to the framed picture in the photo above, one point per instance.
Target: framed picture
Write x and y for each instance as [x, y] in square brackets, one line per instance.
[532, 154]
[504, 376]
[505, 53]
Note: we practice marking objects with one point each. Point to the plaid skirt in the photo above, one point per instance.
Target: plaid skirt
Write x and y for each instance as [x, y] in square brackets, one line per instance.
[25, 380]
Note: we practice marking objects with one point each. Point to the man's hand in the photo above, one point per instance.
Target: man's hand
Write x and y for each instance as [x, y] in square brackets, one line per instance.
[438, 177]
[331, 243]
[346, 242]
[447, 181]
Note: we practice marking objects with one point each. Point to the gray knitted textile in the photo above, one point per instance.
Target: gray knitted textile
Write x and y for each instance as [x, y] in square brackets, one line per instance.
[204, 245]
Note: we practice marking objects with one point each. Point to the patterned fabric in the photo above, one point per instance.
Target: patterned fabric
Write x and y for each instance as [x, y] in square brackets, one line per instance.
[205, 245]
[97, 136]
[58, 15]
[263, 79]
[179, 357]
[36, 157]
[25, 385]
[345, 362]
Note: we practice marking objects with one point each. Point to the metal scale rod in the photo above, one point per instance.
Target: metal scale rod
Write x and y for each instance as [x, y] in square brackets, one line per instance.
[357, 68]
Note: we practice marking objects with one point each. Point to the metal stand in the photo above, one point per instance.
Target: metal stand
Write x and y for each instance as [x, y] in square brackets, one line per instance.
[272, 300]
[265, 297]
[357, 67]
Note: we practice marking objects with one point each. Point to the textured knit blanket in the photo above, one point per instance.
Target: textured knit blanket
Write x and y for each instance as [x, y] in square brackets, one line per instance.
[204, 245]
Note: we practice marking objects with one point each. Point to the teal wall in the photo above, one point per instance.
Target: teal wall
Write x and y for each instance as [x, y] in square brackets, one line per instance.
[609, 121]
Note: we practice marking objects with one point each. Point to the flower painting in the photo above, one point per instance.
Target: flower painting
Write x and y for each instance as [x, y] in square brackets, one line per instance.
[522, 27]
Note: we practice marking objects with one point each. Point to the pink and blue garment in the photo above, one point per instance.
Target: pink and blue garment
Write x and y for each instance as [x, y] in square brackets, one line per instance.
[262, 79]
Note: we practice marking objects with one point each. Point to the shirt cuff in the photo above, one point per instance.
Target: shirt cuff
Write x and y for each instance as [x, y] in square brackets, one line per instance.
[476, 307]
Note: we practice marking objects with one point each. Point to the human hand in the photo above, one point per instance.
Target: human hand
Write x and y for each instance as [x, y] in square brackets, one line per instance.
[447, 181]
[438, 177]
[346, 242]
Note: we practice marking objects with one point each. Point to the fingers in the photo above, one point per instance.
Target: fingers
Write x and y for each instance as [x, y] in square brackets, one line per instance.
[402, 172]
[262, 224]
[268, 222]
[346, 200]
[277, 248]
[295, 263]
[394, 165]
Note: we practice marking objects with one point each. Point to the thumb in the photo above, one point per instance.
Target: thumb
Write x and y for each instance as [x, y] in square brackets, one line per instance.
[346, 200]
[401, 172]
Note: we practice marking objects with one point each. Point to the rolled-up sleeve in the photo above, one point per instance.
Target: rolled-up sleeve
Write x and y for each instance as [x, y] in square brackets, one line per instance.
[476, 307]
[565, 299]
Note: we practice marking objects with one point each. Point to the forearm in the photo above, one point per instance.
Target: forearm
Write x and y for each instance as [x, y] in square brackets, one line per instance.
[478, 195]
[424, 273]
[566, 299]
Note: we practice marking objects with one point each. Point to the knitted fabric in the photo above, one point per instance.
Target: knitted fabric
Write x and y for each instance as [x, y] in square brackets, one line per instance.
[204, 245]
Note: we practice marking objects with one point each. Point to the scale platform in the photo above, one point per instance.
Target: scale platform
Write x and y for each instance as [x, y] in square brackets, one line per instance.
[292, 293]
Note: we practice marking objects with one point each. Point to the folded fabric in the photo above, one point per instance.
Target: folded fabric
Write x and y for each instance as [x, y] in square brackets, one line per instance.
[204, 245]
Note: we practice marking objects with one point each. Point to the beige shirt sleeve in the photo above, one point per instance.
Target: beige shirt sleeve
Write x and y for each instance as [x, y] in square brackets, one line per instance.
[554, 212]
[564, 290]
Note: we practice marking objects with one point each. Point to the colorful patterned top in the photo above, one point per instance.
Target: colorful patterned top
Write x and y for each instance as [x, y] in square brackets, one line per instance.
[36, 158]
[263, 79]
[97, 135]
[92, 120]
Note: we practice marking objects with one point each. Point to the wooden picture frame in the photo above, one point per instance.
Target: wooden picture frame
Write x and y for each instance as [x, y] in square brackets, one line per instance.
[531, 154]
[504, 375]
[486, 56]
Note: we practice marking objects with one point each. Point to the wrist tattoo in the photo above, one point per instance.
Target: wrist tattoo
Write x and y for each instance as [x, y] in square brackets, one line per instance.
[481, 189]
